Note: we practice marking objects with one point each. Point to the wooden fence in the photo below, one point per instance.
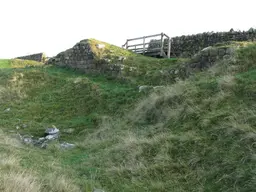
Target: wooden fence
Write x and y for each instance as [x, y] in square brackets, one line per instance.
[142, 45]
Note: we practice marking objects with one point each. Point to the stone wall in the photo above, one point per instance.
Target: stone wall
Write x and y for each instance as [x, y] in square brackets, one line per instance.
[203, 60]
[90, 57]
[187, 46]
[80, 56]
[40, 57]
[208, 56]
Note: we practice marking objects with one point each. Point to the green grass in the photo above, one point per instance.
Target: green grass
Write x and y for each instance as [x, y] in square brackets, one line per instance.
[19, 63]
[4, 63]
[137, 68]
[43, 96]
[73, 100]
[196, 134]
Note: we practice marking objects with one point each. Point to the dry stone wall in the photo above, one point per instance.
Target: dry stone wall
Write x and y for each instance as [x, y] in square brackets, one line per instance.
[202, 60]
[40, 57]
[92, 56]
[83, 57]
[80, 56]
[187, 46]
[208, 56]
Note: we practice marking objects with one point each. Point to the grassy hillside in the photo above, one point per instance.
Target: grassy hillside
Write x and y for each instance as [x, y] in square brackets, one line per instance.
[194, 135]
[135, 68]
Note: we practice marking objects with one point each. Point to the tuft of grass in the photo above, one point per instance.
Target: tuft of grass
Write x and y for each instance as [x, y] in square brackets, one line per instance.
[247, 57]
[19, 182]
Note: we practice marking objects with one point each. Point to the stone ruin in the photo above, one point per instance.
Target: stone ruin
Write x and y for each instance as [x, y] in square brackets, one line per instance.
[39, 57]
[90, 56]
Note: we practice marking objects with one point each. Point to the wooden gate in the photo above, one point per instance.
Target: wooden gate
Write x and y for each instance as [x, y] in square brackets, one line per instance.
[146, 45]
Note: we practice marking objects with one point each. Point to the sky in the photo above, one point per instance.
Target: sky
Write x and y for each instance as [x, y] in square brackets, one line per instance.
[52, 26]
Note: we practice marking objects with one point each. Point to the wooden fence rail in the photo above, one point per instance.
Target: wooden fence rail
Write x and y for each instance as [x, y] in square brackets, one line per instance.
[144, 48]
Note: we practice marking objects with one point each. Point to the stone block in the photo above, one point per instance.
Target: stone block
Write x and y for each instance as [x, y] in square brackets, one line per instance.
[222, 52]
[205, 53]
[230, 51]
[213, 52]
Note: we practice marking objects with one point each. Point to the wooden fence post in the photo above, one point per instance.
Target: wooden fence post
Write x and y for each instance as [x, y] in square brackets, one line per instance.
[144, 45]
[162, 45]
[169, 48]
[127, 44]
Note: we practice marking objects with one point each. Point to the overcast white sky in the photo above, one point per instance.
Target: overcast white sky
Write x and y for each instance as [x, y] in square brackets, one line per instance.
[52, 26]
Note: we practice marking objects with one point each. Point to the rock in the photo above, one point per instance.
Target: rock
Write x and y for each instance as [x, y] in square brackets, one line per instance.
[214, 52]
[41, 139]
[7, 110]
[98, 190]
[100, 46]
[107, 60]
[159, 88]
[121, 58]
[222, 52]
[52, 131]
[67, 145]
[207, 48]
[52, 137]
[17, 127]
[41, 142]
[144, 88]
[226, 57]
[51, 134]
[43, 145]
[27, 139]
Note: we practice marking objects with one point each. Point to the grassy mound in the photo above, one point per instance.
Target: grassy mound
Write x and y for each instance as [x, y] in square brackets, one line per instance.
[194, 135]
[137, 68]
[117, 63]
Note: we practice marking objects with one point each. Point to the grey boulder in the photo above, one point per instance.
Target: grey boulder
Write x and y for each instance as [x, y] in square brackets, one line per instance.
[52, 131]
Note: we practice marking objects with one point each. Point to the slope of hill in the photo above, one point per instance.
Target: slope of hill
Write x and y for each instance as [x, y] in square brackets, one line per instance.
[196, 134]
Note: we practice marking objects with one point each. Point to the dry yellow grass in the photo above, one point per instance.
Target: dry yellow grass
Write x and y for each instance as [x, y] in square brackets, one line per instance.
[19, 182]
[14, 178]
